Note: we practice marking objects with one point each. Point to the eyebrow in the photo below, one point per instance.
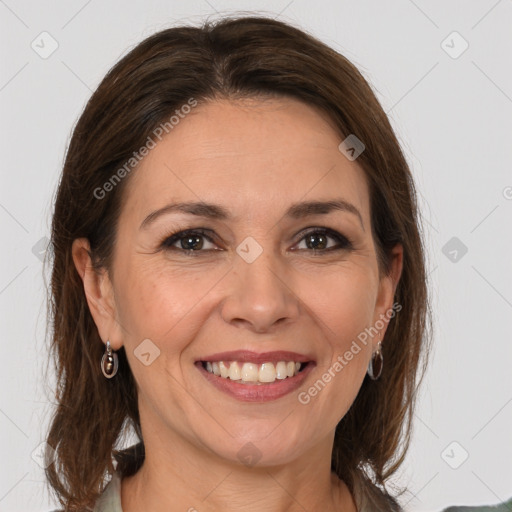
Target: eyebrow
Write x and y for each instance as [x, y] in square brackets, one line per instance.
[215, 211]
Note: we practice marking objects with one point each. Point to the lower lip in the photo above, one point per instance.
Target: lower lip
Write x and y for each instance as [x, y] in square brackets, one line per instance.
[255, 392]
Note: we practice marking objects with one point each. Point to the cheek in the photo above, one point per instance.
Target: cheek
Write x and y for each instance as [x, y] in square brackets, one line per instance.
[158, 302]
[163, 306]
[343, 303]
[343, 309]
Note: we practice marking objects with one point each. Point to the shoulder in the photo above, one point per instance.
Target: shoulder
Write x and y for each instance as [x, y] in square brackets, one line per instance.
[110, 499]
[370, 498]
[503, 507]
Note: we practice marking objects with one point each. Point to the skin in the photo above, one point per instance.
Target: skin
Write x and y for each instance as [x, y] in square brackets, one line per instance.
[255, 158]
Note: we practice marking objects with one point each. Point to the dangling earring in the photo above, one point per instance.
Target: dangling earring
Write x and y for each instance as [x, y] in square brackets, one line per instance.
[376, 363]
[109, 362]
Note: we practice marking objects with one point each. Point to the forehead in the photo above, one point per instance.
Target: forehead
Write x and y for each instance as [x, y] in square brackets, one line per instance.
[248, 155]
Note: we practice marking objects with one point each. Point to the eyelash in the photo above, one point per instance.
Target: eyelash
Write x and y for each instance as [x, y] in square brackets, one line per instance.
[344, 243]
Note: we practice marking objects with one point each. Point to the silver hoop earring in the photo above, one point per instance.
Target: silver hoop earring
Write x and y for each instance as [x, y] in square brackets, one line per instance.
[109, 362]
[376, 363]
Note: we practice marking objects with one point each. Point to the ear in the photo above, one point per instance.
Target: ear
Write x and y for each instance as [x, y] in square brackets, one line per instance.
[99, 293]
[384, 309]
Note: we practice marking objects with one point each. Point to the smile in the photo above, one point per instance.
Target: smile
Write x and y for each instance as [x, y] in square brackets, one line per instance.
[253, 373]
[251, 377]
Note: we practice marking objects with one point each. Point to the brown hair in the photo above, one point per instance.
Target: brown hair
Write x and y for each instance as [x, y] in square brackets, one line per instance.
[232, 58]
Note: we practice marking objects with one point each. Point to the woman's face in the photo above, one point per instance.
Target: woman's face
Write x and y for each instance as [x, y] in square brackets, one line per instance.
[259, 180]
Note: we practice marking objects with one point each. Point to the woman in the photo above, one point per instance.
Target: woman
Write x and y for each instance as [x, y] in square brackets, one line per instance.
[238, 278]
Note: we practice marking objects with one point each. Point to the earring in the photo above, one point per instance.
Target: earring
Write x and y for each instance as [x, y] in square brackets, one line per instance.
[376, 363]
[109, 362]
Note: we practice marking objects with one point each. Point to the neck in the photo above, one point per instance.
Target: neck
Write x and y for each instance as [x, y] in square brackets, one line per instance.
[178, 475]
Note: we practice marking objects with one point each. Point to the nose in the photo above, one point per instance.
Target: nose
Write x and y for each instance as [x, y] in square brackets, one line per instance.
[260, 295]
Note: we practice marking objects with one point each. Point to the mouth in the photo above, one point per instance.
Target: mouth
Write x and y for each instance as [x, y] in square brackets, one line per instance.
[252, 373]
[248, 376]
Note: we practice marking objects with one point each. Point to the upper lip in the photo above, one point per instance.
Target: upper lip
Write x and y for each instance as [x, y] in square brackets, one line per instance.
[246, 356]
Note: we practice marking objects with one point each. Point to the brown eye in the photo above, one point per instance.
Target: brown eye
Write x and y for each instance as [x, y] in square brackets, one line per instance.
[316, 241]
[321, 240]
[192, 242]
[188, 241]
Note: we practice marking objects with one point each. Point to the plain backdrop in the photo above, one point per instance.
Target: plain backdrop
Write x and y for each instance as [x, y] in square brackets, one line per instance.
[443, 73]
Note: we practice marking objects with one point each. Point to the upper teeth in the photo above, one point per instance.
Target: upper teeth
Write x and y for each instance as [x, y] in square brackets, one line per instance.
[251, 372]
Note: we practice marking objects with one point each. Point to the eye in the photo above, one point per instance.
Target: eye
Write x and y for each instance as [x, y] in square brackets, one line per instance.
[320, 239]
[189, 241]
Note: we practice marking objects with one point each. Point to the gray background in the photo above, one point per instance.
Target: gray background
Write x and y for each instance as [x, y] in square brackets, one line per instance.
[453, 116]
